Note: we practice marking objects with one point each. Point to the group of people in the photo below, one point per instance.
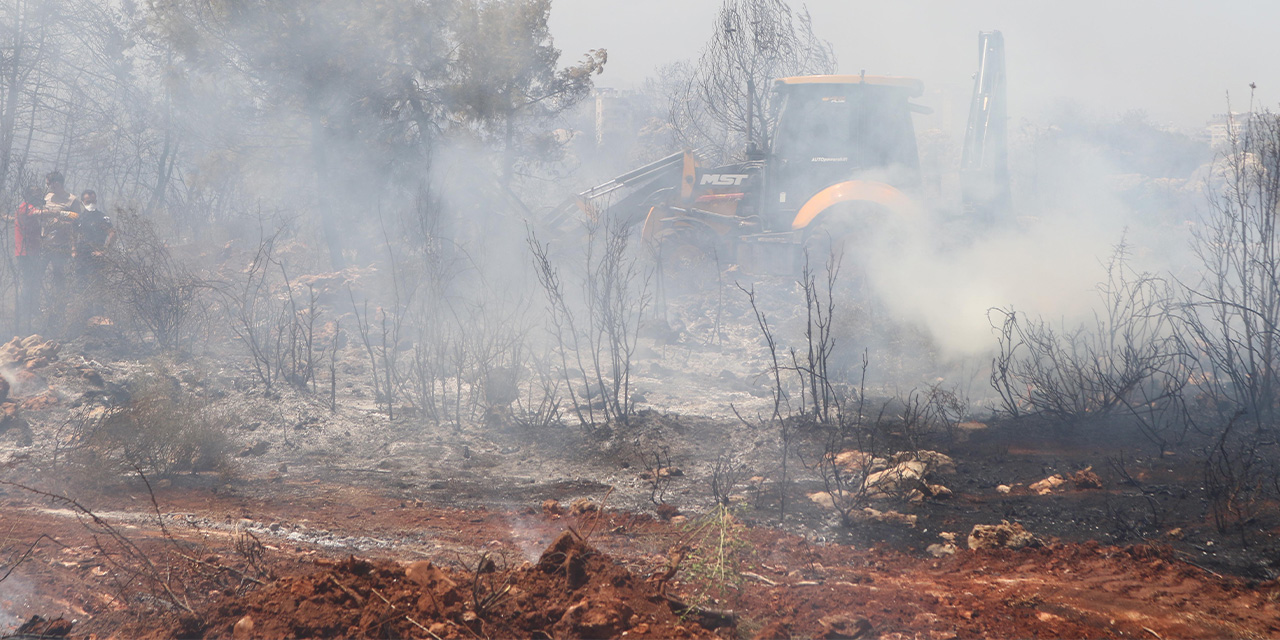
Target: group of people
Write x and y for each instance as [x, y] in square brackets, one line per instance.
[59, 239]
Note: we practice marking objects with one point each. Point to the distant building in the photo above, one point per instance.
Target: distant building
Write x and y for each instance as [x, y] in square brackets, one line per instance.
[1222, 126]
[615, 118]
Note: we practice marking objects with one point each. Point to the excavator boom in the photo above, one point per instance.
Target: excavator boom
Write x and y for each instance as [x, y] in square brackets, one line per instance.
[984, 162]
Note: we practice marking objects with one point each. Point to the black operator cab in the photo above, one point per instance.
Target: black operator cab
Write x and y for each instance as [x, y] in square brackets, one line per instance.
[832, 129]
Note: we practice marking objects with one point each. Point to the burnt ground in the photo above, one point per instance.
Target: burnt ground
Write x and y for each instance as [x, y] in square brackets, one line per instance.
[312, 526]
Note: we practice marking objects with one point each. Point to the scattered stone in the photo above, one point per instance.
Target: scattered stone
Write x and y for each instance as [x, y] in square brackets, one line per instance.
[429, 576]
[8, 413]
[1010, 536]
[1086, 479]
[1175, 533]
[941, 550]
[1048, 485]
[582, 506]
[827, 500]
[1003, 488]
[31, 352]
[898, 480]
[679, 520]
[891, 517]
[254, 450]
[92, 376]
[934, 462]
[859, 462]
[552, 507]
[843, 626]
[38, 627]
[937, 491]
[596, 618]
[243, 629]
[46, 400]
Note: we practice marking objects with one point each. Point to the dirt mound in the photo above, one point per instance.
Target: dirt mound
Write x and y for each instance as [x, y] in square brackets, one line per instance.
[573, 591]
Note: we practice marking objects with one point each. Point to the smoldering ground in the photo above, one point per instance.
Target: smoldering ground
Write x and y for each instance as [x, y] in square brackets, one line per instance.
[349, 256]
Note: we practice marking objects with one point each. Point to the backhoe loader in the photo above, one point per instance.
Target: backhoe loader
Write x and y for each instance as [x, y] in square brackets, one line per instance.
[842, 164]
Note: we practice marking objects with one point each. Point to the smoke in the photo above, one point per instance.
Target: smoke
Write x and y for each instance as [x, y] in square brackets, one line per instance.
[1077, 197]
[15, 596]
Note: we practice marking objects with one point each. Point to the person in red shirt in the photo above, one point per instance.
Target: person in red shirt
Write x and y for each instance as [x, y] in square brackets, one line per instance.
[30, 256]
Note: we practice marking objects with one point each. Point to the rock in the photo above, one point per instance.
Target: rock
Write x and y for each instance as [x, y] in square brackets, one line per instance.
[45, 400]
[1010, 536]
[582, 506]
[8, 413]
[934, 462]
[828, 500]
[595, 618]
[4, 389]
[1003, 488]
[859, 462]
[897, 480]
[843, 626]
[256, 449]
[1048, 485]
[667, 511]
[92, 376]
[679, 520]
[429, 576]
[937, 491]
[31, 341]
[1086, 479]
[243, 629]
[38, 627]
[891, 517]
[670, 472]
[941, 550]
[552, 507]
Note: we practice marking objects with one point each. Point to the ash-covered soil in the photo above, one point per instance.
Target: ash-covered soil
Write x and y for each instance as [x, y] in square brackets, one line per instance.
[314, 520]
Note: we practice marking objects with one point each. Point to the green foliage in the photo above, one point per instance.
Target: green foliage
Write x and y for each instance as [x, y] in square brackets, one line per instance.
[713, 562]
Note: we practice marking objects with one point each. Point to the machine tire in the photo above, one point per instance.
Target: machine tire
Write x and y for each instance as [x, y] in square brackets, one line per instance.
[853, 229]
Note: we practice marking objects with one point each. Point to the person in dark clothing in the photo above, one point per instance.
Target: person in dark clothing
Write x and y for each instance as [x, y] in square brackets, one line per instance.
[93, 231]
[61, 209]
[92, 237]
[27, 249]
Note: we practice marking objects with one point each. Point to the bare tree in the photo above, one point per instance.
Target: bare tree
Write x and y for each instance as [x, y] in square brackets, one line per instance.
[723, 102]
[1233, 312]
[1131, 360]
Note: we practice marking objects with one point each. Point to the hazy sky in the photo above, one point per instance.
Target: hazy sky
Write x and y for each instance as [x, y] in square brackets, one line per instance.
[1176, 59]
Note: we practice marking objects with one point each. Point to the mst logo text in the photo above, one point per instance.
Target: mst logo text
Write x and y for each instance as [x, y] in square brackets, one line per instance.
[722, 179]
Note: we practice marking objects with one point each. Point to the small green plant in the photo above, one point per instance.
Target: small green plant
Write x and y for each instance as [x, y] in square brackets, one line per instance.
[712, 560]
